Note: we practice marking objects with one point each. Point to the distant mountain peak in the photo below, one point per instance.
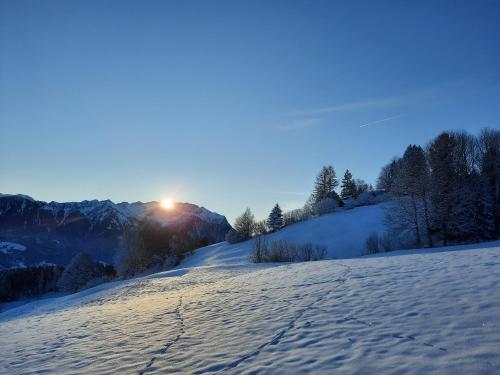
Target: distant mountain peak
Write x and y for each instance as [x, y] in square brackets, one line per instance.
[54, 231]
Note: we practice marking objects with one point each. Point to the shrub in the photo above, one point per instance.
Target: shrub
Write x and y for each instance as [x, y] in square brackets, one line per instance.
[326, 206]
[296, 216]
[373, 243]
[386, 242]
[283, 251]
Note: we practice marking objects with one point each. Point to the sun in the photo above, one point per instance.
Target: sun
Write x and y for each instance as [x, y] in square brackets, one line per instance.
[167, 204]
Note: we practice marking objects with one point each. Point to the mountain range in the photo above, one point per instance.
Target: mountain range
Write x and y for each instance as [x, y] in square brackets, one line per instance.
[35, 232]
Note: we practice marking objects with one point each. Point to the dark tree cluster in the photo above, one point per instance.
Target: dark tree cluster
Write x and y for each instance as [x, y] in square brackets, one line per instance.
[82, 272]
[448, 192]
[151, 246]
[28, 282]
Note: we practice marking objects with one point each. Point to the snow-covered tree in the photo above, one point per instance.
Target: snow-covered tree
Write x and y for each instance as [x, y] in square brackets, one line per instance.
[489, 166]
[409, 186]
[79, 272]
[326, 206]
[245, 224]
[275, 219]
[361, 187]
[297, 215]
[450, 192]
[387, 175]
[348, 186]
[325, 184]
[451, 161]
[473, 219]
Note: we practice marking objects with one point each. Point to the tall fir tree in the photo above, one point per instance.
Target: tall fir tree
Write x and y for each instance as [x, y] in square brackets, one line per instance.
[442, 180]
[275, 219]
[348, 186]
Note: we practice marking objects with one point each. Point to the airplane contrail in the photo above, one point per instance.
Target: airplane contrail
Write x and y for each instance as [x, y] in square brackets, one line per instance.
[378, 121]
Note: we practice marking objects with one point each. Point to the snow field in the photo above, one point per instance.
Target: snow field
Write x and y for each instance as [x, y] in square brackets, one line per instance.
[418, 312]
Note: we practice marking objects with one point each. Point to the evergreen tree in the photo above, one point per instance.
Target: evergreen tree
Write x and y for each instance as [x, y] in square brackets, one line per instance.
[489, 165]
[275, 219]
[442, 180]
[410, 188]
[348, 186]
[473, 215]
[387, 175]
[245, 224]
[325, 185]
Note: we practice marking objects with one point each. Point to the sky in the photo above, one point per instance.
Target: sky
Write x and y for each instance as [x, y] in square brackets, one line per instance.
[232, 104]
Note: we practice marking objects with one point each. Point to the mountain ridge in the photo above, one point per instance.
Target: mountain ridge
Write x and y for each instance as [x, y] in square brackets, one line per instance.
[55, 231]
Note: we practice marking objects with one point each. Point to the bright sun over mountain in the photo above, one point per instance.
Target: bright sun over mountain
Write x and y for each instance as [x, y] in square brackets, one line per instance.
[167, 204]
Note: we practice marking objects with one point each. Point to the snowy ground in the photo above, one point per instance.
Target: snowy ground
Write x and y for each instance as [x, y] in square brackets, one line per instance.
[343, 233]
[406, 312]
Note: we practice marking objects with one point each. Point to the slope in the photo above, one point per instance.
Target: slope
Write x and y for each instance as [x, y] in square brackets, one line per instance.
[419, 312]
[344, 233]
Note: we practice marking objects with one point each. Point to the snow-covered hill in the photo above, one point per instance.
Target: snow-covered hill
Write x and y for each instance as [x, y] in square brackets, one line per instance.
[344, 233]
[422, 312]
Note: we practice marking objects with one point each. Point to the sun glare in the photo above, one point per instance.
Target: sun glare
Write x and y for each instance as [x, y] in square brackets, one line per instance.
[167, 204]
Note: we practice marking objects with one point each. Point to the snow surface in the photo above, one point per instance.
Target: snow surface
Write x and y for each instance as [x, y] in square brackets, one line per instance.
[405, 312]
[11, 247]
[344, 234]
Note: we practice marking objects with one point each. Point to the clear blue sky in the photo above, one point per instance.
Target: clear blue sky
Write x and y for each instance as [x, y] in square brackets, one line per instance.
[232, 104]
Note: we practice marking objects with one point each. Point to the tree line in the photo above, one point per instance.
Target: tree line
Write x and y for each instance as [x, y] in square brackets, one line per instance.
[82, 272]
[446, 192]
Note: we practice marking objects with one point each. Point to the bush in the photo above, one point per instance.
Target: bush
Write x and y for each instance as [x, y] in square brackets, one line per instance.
[296, 216]
[283, 251]
[386, 242]
[367, 199]
[326, 206]
[373, 243]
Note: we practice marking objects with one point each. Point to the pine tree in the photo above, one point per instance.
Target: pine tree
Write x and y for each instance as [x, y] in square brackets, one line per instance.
[275, 220]
[325, 185]
[409, 186]
[348, 186]
[473, 216]
[387, 175]
[442, 180]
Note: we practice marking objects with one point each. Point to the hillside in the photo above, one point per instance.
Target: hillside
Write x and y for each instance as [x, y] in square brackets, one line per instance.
[344, 234]
[422, 311]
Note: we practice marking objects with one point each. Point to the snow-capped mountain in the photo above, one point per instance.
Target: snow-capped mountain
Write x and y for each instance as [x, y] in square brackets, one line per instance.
[54, 232]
